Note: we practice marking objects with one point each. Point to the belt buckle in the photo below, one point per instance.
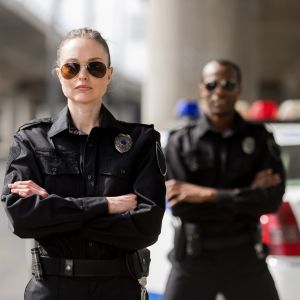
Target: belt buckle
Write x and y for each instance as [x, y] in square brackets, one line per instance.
[69, 267]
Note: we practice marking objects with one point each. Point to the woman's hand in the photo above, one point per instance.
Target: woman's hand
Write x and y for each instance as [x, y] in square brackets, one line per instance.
[120, 204]
[27, 188]
[178, 191]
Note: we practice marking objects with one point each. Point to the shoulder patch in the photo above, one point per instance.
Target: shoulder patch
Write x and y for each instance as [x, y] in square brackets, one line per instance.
[161, 161]
[35, 122]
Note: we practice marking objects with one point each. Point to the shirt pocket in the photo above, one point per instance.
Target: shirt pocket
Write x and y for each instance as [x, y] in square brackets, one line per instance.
[57, 163]
[198, 161]
[200, 167]
[114, 179]
[61, 172]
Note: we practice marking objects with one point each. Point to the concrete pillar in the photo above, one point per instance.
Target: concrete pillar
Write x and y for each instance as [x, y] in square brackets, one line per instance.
[182, 37]
[6, 125]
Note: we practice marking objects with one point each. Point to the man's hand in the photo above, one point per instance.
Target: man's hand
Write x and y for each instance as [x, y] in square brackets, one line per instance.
[27, 188]
[178, 191]
[120, 204]
[266, 178]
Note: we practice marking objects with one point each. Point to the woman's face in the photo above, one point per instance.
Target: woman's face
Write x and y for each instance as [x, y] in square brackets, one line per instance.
[84, 88]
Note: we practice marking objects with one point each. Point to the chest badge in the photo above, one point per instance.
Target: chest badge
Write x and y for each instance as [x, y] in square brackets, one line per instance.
[123, 142]
[248, 145]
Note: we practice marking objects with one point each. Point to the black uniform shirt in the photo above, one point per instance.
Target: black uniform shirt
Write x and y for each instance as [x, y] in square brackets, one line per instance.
[227, 161]
[79, 171]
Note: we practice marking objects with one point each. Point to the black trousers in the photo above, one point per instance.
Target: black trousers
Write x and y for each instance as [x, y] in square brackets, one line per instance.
[237, 273]
[64, 288]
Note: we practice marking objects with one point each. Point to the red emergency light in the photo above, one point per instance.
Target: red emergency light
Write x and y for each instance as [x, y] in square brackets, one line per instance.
[263, 110]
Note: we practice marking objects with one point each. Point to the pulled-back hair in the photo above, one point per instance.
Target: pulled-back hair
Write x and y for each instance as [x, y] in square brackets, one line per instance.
[84, 33]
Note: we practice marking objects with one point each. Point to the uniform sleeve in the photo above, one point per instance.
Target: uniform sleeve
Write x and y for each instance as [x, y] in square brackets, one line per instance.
[34, 216]
[258, 201]
[140, 227]
[175, 165]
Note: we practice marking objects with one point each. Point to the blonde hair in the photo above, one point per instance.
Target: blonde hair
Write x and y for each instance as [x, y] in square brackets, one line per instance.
[83, 33]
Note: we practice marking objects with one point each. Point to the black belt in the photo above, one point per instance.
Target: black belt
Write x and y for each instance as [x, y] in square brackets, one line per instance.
[193, 235]
[83, 267]
[227, 242]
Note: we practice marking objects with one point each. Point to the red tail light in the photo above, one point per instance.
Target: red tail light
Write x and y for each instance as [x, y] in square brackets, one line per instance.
[280, 231]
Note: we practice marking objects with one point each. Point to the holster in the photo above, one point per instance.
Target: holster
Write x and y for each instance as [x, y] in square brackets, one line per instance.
[138, 263]
[186, 240]
[262, 250]
[193, 243]
[179, 243]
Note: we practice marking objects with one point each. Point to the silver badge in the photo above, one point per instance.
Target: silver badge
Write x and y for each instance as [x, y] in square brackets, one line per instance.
[123, 142]
[248, 145]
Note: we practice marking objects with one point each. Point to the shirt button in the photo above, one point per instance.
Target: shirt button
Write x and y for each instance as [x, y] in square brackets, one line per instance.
[89, 177]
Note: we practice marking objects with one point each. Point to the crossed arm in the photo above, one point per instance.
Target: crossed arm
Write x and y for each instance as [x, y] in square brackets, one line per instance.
[178, 191]
[118, 204]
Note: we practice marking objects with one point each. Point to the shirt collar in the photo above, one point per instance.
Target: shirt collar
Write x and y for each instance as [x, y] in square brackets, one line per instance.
[60, 123]
[204, 126]
[63, 121]
[108, 120]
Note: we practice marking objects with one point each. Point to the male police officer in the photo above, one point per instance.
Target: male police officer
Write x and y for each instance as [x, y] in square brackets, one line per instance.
[224, 174]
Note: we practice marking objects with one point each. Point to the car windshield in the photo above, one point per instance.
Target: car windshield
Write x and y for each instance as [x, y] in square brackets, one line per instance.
[290, 157]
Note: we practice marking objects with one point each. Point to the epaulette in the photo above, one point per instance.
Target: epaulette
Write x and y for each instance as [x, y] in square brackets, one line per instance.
[35, 122]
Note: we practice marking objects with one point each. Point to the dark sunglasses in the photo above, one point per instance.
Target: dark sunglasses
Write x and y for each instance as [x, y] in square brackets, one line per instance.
[95, 68]
[226, 85]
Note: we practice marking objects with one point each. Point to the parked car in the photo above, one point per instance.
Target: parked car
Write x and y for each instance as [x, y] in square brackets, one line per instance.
[280, 231]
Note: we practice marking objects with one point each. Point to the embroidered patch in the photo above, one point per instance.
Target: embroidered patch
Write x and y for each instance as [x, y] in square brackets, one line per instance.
[161, 161]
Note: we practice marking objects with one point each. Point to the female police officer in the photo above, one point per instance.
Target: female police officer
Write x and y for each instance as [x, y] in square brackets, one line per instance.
[88, 188]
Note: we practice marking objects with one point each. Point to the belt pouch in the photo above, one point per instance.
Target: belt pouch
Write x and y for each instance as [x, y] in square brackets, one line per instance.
[138, 263]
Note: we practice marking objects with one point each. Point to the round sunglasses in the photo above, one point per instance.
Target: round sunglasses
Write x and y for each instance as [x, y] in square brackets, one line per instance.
[72, 69]
[226, 85]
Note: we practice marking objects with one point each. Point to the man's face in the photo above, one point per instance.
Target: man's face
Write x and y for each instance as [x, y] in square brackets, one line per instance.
[220, 89]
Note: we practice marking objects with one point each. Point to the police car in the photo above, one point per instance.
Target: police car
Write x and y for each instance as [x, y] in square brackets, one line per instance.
[280, 231]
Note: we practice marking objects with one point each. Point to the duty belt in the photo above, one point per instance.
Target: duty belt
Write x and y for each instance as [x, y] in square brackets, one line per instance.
[192, 232]
[226, 242]
[83, 267]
